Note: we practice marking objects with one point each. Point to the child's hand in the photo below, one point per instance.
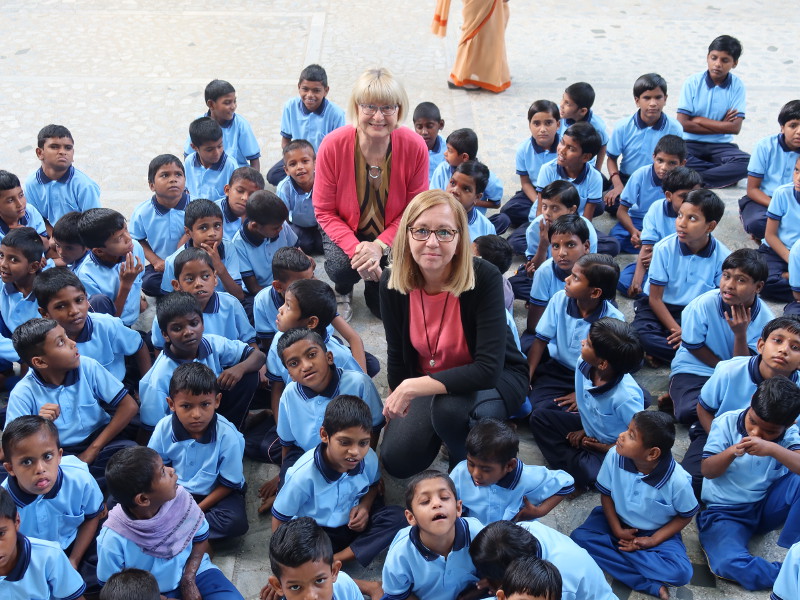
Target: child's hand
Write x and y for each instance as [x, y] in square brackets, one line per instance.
[643, 543]
[739, 319]
[268, 593]
[636, 239]
[544, 226]
[730, 115]
[89, 455]
[635, 288]
[612, 194]
[359, 517]
[737, 449]
[567, 402]
[627, 545]
[213, 252]
[50, 411]
[530, 268]
[674, 338]
[229, 378]
[528, 511]
[130, 269]
[757, 446]
[594, 444]
[575, 438]
[624, 534]
[158, 265]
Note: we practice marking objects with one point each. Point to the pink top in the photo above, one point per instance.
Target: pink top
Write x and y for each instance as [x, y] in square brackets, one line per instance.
[436, 328]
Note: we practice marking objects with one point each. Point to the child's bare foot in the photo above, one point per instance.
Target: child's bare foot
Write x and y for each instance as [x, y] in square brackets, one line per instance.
[663, 593]
[665, 403]
[266, 504]
[652, 361]
[142, 303]
[579, 491]
[372, 589]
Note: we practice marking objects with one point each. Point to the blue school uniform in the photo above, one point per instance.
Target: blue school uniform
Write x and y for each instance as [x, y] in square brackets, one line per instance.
[504, 499]
[594, 120]
[412, 568]
[479, 224]
[301, 409]
[238, 140]
[105, 339]
[159, 226]
[230, 222]
[532, 237]
[440, 180]
[773, 162]
[547, 280]
[436, 156]
[785, 208]
[635, 140]
[700, 97]
[301, 209]
[42, 572]
[658, 222]
[53, 198]
[208, 182]
[641, 192]
[531, 156]
[100, 277]
[265, 311]
[794, 267]
[299, 123]
[32, 218]
[255, 256]
[342, 358]
[15, 309]
[787, 585]
[589, 182]
[214, 351]
[84, 397]
[344, 588]
[228, 254]
[606, 410]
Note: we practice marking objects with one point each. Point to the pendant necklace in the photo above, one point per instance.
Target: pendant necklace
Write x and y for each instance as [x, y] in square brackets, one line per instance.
[374, 171]
[432, 361]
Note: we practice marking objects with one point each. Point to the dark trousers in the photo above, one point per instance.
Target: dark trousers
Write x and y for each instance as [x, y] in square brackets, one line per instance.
[344, 277]
[276, 174]
[777, 286]
[793, 308]
[308, 238]
[684, 389]
[151, 281]
[98, 467]
[694, 456]
[719, 165]
[607, 244]
[384, 523]
[552, 380]
[236, 401]
[100, 303]
[518, 239]
[753, 216]
[514, 213]
[626, 278]
[652, 333]
[87, 568]
[213, 585]
[521, 284]
[228, 517]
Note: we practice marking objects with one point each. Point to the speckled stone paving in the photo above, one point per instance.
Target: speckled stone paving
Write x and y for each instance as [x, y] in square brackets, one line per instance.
[128, 77]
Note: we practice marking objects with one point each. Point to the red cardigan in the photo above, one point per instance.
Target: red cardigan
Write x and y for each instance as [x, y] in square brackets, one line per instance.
[335, 203]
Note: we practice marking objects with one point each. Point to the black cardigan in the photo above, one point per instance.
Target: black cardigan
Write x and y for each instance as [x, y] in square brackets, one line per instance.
[496, 361]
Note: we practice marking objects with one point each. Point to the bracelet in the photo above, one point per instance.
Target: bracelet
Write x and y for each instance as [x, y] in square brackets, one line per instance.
[610, 177]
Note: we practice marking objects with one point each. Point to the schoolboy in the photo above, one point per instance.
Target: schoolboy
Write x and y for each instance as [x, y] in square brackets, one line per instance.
[461, 146]
[782, 232]
[716, 326]
[33, 568]
[261, 234]
[566, 322]
[68, 243]
[499, 543]
[114, 267]
[204, 448]
[658, 223]
[57, 187]
[157, 224]
[711, 109]
[208, 168]
[468, 184]
[576, 107]
[194, 272]
[634, 138]
[131, 584]
[310, 116]
[337, 483]
[635, 535]
[684, 265]
[14, 209]
[644, 188]
[157, 527]
[428, 123]
[496, 250]
[202, 224]
[243, 182]
[76, 393]
[493, 484]
[606, 397]
[530, 578]
[58, 500]
[787, 585]
[296, 191]
[238, 139]
[235, 363]
[750, 464]
[430, 558]
[771, 165]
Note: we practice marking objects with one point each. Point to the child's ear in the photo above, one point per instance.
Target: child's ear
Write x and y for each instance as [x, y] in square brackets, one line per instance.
[683, 163]
[9, 468]
[44, 313]
[141, 500]
[582, 112]
[175, 285]
[329, 356]
[479, 196]
[335, 568]
[654, 454]
[501, 595]
[40, 153]
[597, 293]
[39, 362]
[275, 584]
[210, 105]
[323, 435]
[586, 247]
[587, 156]
[227, 189]
[278, 286]
[464, 157]
[217, 400]
[510, 465]
[711, 226]
[603, 364]
[187, 231]
[459, 508]
[312, 322]
[759, 286]
[441, 123]
[195, 148]
[152, 186]
[171, 403]
[410, 518]
[573, 210]
[35, 266]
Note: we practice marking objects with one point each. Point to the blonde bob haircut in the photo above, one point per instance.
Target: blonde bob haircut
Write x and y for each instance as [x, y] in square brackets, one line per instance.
[406, 275]
[377, 86]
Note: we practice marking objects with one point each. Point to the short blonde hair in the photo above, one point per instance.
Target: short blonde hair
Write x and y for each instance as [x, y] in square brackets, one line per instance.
[406, 275]
[377, 86]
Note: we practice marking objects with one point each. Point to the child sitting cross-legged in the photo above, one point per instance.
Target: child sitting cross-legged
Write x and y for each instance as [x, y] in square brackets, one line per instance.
[635, 535]
[530, 578]
[296, 191]
[158, 527]
[493, 484]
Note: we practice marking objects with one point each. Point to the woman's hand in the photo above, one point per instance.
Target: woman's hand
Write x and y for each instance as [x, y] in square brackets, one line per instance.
[399, 401]
[367, 261]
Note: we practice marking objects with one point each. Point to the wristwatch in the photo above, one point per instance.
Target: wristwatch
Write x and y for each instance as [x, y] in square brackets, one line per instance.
[385, 249]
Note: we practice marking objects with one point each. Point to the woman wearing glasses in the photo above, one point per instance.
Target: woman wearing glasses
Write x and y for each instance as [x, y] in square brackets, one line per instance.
[451, 358]
[365, 177]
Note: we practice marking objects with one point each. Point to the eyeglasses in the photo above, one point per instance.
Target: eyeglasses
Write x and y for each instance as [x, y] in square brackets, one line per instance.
[421, 234]
[387, 110]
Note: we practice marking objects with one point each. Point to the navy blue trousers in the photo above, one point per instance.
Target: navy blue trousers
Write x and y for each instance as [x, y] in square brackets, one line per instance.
[776, 287]
[228, 517]
[276, 174]
[151, 281]
[652, 333]
[514, 213]
[384, 523]
[552, 380]
[684, 389]
[626, 278]
[693, 458]
[213, 585]
[309, 239]
[719, 165]
[753, 216]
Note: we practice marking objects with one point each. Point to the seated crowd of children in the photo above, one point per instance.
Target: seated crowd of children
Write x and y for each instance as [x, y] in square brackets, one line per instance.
[124, 447]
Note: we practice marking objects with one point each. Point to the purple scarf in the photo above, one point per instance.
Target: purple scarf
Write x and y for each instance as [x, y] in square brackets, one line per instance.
[167, 533]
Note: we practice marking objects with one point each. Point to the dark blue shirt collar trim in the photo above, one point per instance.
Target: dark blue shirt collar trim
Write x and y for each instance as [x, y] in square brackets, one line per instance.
[782, 143]
[753, 369]
[510, 480]
[203, 350]
[655, 178]
[742, 429]
[586, 370]
[437, 145]
[86, 333]
[161, 210]
[247, 235]
[574, 312]
[23, 498]
[460, 541]
[659, 476]
[63, 179]
[180, 434]
[705, 252]
[71, 378]
[98, 261]
[226, 211]
[586, 118]
[725, 309]
[560, 273]
[217, 166]
[328, 474]
[22, 221]
[23, 559]
[562, 174]
[796, 195]
[277, 301]
[297, 189]
[710, 82]
[11, 288]
[668, 210]
[472, 216]
[658, 125]
[330, 390]
[539, 149]
[212, 307]
[224, 124]
[320, 109]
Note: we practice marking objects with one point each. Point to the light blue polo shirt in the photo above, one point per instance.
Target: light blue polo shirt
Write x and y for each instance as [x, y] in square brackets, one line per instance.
[683, 275]
[255, 257]
[314, 489]
[563, 328]
[479, 224]
[641, 192]
[301, 409]
[658, 223]
[773, 162]
[42, 572]
[700, 97]
[606, 410]
[53, 198]
[209, 182]
[647, 502]
[298, 123]
[159, 226]
[594, 120]
[504, 499]
[440, 180]
[703, 324]
[787, 585]
[84, 398]
[344, 588]
[342, 358]
[107, 340]
[794, 266]
[201, 465]
[635, 140]
[230, 222]
[57, 515]
[265, 311]
[580, 575]
[100, 277]
[412, 568]
[547, 280]
[436, 155]
[15, 309]
[228, 254]
[589, 182]
[301, 209]
[214, 351]
[532, 237]
[115, 553]
[531, 156]
[238, 140]
[32, 218]
[785, 208]
[223, 315]
[748, 477]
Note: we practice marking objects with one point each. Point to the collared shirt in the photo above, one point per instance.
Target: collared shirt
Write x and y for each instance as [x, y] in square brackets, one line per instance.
[547, 280]
[787, 585]
[784, 207]
[107, 340]
[436, 155]
[700, 97]
[504, 499]
[773, 162]
[412, 568]
[83, 399]
[203, 464]
[31, 218]
[42, 572]
[314, 489]
[531, 156]
[230, 222]
[642, 191]
[159, 226]
[647, 502]
[238, 140]
[479, 224]
[440, 180]
[593, 119]
[15, 309]
[265, 312]
[298, 123]
[208, 182]
[299, 203]
[659, 222]
[57, 515]
[635, 140]
[342, 358]
[589, 182]
[255, 256]
[228, 254]
[53, 198]
[532, 237]
[794, 266]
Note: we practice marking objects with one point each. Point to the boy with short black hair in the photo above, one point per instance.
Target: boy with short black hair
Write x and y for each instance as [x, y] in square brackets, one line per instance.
[468, 184]
[428, 123]
[67, 241]
[781, 234]
[208, 168]
[243, 182]
[296, 190]
[635, 535]
[576, 107]
[14, 209]
[131, 584]
[496, 250]
[530, 578]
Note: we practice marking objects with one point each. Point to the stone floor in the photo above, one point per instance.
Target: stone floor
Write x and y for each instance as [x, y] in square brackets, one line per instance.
[127, 78]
